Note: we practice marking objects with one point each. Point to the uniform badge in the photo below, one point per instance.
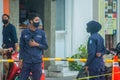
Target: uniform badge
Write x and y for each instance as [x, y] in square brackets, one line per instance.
[25, 36]
[90, 42]
[39, 36]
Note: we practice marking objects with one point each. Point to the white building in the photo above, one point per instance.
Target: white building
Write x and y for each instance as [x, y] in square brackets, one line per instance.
[70, 21]
[76, 14]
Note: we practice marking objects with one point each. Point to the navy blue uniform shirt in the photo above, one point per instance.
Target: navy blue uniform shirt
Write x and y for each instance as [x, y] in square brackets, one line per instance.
[32, 54]
[95, 45]
[9, 36]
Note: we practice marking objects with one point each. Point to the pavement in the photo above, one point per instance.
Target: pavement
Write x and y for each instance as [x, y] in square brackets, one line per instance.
[63, 78]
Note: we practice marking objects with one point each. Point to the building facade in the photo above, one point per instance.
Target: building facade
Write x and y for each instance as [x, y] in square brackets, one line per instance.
[65, 21]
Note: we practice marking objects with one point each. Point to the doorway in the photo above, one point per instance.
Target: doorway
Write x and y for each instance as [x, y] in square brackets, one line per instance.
[27, 6]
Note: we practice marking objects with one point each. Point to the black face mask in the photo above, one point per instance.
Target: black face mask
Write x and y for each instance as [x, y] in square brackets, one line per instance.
[36, 24]
[5, 21]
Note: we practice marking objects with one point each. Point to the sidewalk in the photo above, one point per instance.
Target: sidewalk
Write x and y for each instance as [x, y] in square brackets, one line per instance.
[63, 78]
[65, 74]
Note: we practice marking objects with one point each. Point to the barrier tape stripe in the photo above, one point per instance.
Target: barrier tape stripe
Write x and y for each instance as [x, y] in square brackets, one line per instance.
[61, 59]
[96, 76]
[9, 60]
[93, 76]
[55, 59]
[71, 59]
[67, 59]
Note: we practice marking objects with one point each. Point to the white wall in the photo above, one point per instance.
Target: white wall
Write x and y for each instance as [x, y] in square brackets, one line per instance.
[77, 14]
[82, 13]
[1, 12]
[68, 26]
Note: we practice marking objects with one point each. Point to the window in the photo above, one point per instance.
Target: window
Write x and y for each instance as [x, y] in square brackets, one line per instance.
[60, 15]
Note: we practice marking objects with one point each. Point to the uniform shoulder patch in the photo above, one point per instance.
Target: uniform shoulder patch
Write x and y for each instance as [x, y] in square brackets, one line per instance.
[90, 41]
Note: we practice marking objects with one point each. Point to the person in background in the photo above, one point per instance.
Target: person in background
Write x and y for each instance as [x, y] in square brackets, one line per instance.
[26, 23]
[32, 43]
[96, 50]
[10, 39]
[9, 33]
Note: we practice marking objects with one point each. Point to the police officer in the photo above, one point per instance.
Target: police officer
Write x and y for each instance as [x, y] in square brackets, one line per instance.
[32, 42]
[96, 49]
[26, 23]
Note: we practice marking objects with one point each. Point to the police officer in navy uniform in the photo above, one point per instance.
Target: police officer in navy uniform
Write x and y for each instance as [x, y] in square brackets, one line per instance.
[32, 42]
[96, 50]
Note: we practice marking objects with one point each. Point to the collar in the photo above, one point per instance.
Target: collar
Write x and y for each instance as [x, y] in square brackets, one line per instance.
[36, 31]
[6, 25]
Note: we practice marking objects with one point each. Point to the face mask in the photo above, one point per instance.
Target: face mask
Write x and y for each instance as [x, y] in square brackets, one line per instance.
[36, 24]
[5, 21]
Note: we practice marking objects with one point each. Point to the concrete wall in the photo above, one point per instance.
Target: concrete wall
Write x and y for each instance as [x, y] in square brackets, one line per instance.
[49, 27]
[95, 7]
[1, 13]
[14, 14]
[118, 22]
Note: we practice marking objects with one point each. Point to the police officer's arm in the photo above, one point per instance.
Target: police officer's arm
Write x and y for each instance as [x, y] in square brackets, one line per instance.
[91, 51]
[14, 35]
[21, 45]
[104, 51]
[43, 44]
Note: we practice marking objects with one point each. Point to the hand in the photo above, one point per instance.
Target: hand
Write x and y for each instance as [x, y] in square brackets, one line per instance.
[98, 54]
[5, 51]
[10, 49]
[86, 68]
[32, 43]
[20, 64]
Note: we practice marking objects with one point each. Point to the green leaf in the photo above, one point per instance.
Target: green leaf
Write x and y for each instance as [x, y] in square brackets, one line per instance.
[82, 53]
